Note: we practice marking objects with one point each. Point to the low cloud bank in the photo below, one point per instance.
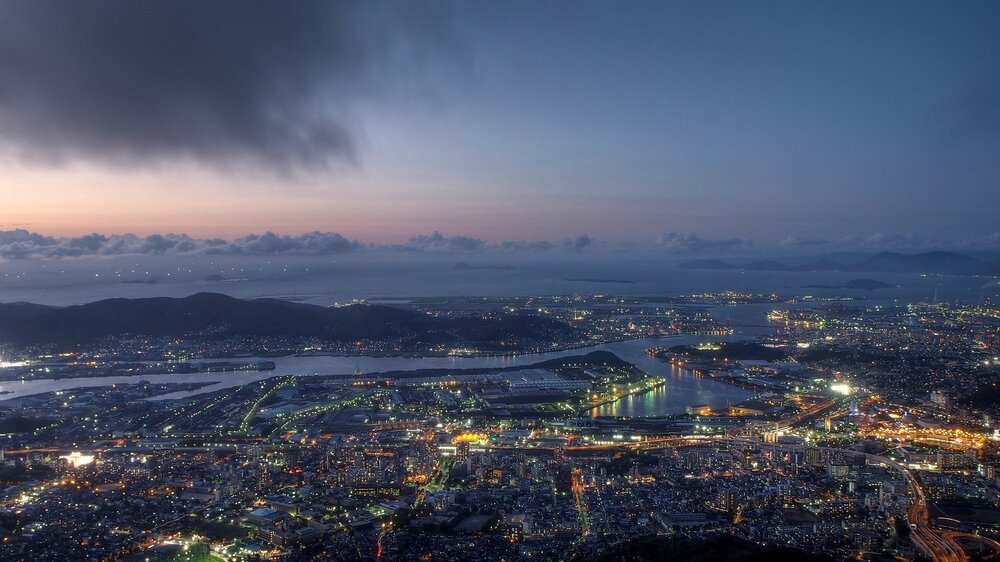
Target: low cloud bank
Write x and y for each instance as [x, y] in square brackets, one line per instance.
[907, 242]
[675, 242]
[437, 242]
[23, 244]
[20, 243]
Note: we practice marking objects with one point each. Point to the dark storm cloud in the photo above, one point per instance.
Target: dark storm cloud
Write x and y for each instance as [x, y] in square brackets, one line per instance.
[217, 82]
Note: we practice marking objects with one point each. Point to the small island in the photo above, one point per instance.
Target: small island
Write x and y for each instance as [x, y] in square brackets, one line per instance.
[737, 351]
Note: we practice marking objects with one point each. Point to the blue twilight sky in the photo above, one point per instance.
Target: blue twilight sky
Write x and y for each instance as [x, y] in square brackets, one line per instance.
[779, 122]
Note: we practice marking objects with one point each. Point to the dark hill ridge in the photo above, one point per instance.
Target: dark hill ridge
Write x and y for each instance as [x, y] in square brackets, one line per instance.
[213, 315]
[15, 313]
[931, 262]
[943, 263]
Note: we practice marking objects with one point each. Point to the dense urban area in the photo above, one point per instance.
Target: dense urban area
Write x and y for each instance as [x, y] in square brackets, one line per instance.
[869, 434]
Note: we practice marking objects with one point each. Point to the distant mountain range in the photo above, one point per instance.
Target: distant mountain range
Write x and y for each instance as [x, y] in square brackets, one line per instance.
[216, 316]
[943, 263]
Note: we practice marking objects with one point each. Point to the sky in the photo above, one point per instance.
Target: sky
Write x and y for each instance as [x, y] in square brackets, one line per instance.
[680, 125]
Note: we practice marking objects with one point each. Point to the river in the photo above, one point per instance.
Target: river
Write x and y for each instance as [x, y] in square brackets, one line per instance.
[681, 388]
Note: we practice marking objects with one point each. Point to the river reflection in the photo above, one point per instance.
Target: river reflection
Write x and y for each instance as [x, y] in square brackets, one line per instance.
[682, 388]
